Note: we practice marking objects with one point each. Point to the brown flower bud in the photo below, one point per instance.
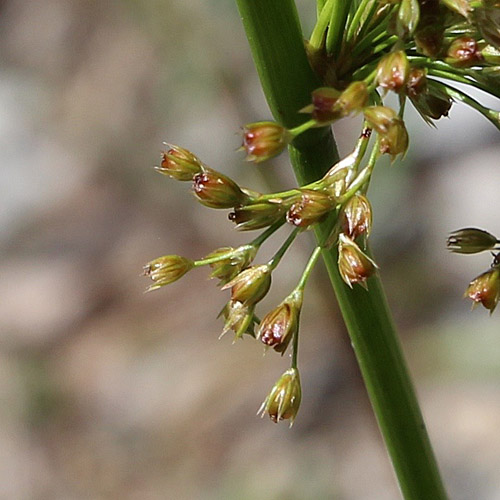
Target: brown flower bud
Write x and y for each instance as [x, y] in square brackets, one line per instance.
[263, 140]
[258, 215]
[323, 108]
[278, 327]
[463, 51]
[393, 71]
[312, 207]
[251, 285]
[179, 163]
[238, 317]
[471, 240]
[485, 289]
[283, 401]
[356, 217]
[354, 265]
[167, 269]
[215, 190]
[340, 176]
[417, 82]
[234, 261]
[381, 118]
[353, 99]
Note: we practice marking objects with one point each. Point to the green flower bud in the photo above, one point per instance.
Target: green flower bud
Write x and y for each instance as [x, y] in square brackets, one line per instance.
[312, 207]
[238, 317]
[258, 215]
[485, 289]
[487, 20]
[381, 118]
[263, 140]
[278, 327]
[215, 190]
[167, 269]
[353, 99]
[461, 7]
[463, 51]
[406, 19]
[236, 259]
[179, 163]
[251, 285]
[471, 240]
[490, 54]
[356, 217]
[393, 71]
[339, 177]
[283, 401]
[354, 265]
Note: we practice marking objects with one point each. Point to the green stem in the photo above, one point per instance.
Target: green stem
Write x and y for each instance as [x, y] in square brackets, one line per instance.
[273, 263]
[275, 38]
[318, 33]
[309, 267]
[336, 28]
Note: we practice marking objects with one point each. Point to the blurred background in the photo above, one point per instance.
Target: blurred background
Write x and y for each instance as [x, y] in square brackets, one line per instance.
[111, 393]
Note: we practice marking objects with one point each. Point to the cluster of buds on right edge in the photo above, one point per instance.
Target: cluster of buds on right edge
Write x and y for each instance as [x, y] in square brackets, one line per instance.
[485, 288]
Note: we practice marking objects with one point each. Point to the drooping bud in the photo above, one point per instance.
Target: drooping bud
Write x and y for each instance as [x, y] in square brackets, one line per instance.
[215, 190]
[234, 261]
[179, 163]
[283, 401]
[354, 265]
[471, 240]
[393, 71]
[392, 130]
[258, 215]
[251, 285]
[167, 269]
[264, 140]
[485, 289]
[312, 207]
[239, 318]
[357, 217]
[278, 327]
[463, 51]
[432, 104]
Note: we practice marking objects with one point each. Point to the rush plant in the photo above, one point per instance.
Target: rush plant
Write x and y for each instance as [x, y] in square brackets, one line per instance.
[358, 53]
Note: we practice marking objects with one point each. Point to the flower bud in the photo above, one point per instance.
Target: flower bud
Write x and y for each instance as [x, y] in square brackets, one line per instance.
[251, 285]
[167, 269]
[238, 317]
[461, 7]
[490, 54]
[471, 240]
[487, 20]
[258, 215]
[354, 265]
[356, 217]
[278, 327]
[263, 140]
[395, 141]
[485, 289]
[463, 51]
[417, 82]
[353, 99]
[283, 401]
[381, 118]
[312, 207]
[393, 71]
[323, 108]
[179, 163]
[215, 190]
[236, 259]
[407, 17]
[340, 176]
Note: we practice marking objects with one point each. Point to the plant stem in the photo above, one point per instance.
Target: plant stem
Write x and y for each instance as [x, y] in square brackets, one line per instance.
[275, 38]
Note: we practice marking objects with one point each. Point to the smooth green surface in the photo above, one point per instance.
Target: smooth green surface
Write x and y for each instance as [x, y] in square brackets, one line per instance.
[275, 38]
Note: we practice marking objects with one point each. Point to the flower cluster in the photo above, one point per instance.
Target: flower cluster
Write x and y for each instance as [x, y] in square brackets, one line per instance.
[485, 288]
[369, 48]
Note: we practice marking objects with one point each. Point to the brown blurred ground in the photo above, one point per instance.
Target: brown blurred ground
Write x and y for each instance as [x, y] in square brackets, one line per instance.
[109, 393]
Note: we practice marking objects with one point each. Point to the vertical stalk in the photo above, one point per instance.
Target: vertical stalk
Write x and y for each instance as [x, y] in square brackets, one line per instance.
[275, 38]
